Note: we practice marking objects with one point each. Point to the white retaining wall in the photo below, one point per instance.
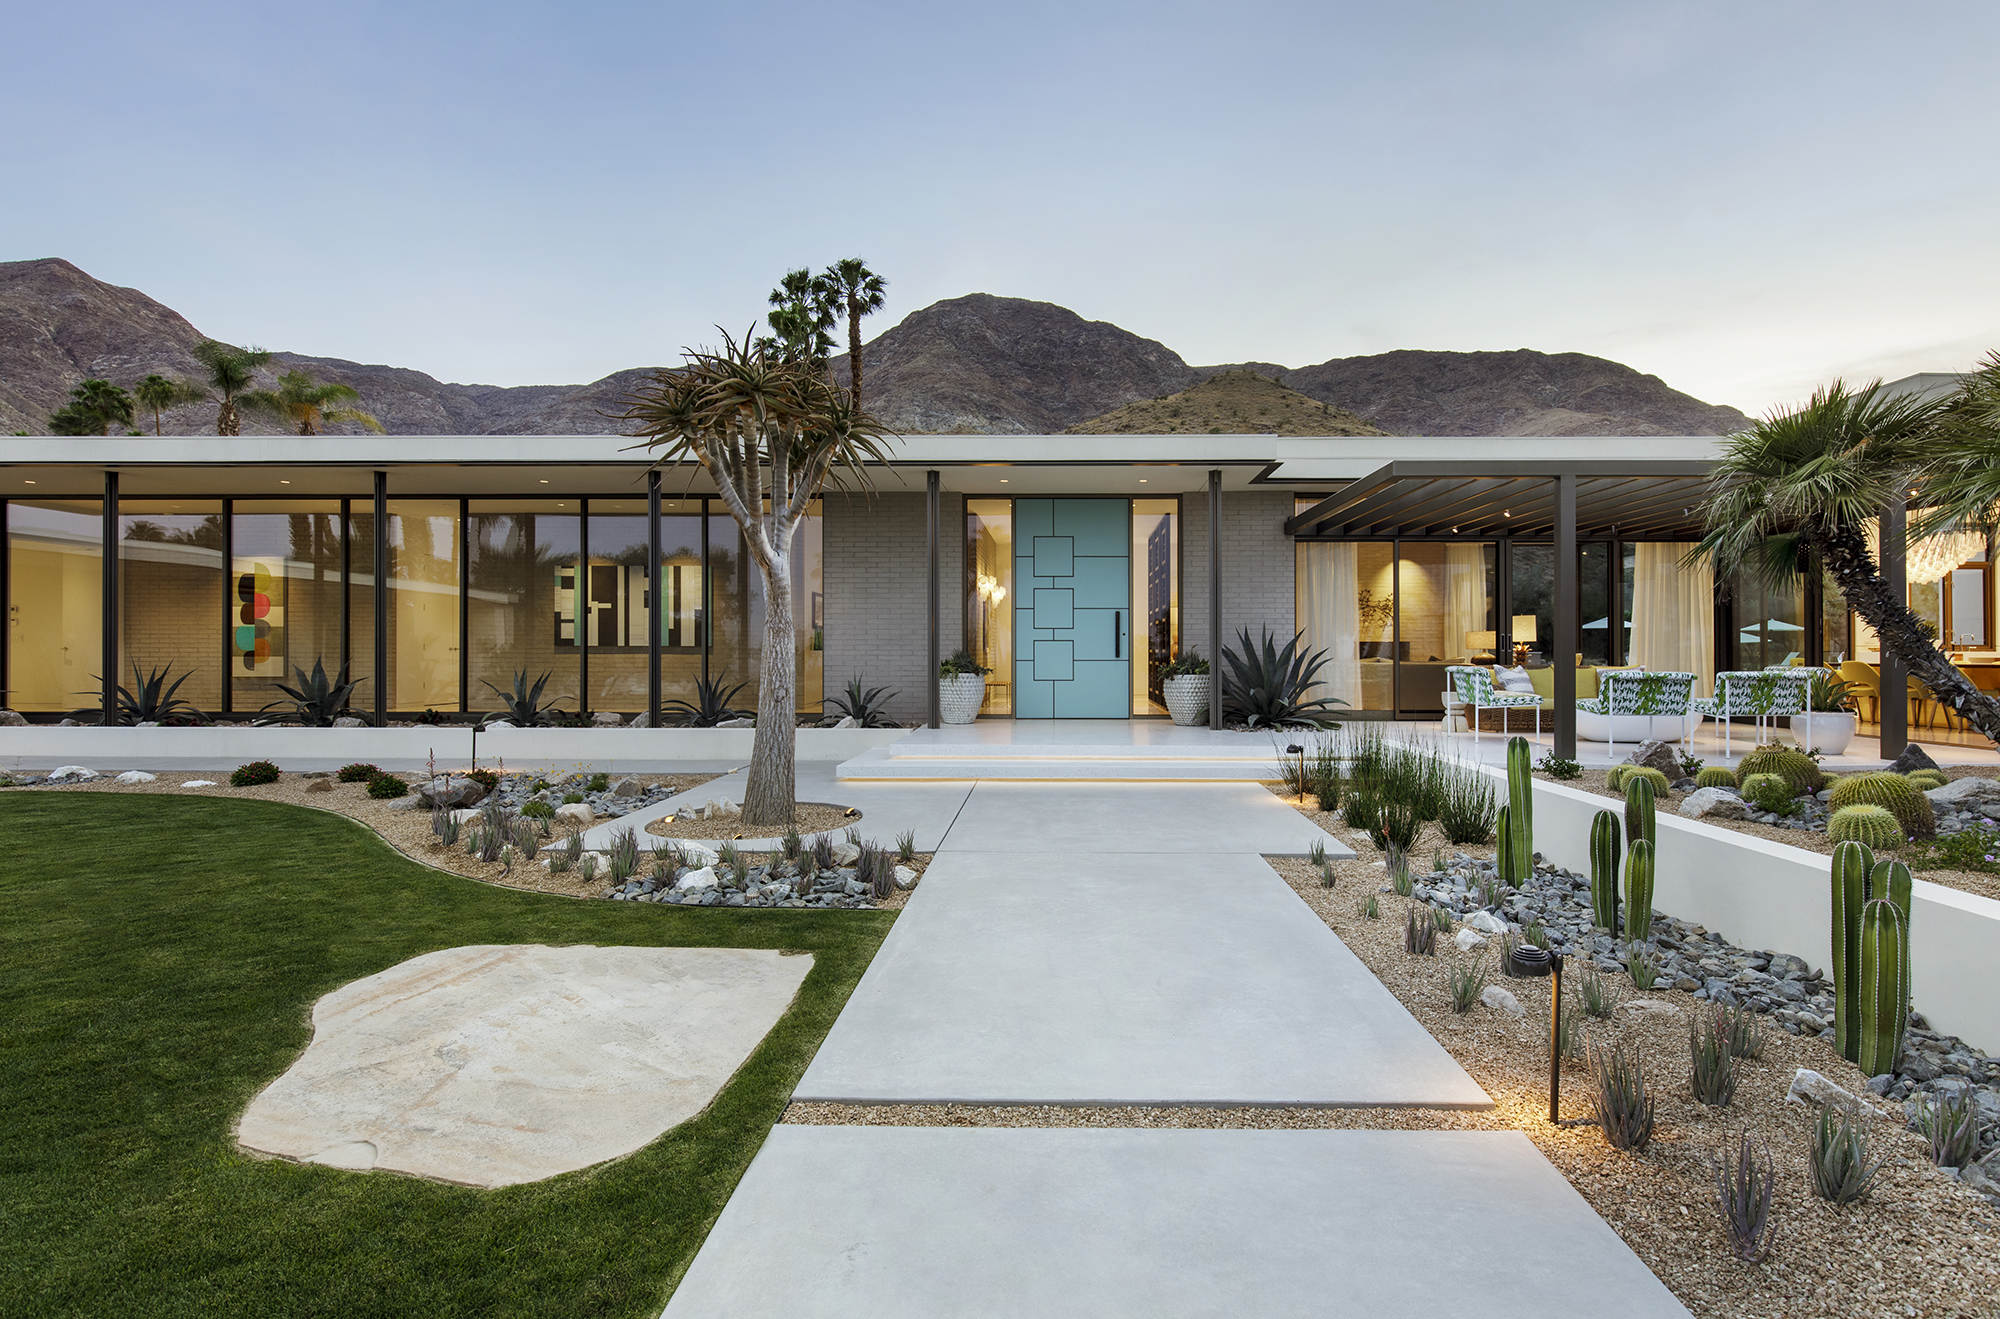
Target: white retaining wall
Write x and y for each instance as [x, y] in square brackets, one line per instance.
[45, 746]
[1764, 895]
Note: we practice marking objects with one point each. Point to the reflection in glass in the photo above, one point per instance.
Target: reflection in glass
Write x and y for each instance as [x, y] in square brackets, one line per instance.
[423, 604]
[287, 551]
[989, 617]
[516, 621]
[55, 618]
[170, 588]
[1155, 596]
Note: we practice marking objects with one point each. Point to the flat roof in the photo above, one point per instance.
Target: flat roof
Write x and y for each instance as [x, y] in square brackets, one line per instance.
[1649, 499]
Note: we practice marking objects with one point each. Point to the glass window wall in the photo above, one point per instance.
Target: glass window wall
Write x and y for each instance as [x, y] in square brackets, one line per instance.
[1156, 596]
[423, 604]
[521, 555]
[55, 615]
[989, 613]
[170, 585]
[282, 608]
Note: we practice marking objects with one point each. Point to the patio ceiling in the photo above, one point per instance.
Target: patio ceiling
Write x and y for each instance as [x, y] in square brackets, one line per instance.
[1634, 499]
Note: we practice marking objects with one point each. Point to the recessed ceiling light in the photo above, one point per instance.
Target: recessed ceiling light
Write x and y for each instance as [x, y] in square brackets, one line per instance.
[545, 481]
[1142, 480]
[1003, 480]
[283, 481]
[26, 482]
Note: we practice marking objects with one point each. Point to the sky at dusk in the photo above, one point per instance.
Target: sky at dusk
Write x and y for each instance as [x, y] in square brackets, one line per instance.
[1744, 199]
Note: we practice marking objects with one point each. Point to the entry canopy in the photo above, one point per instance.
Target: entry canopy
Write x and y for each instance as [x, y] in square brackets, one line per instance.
[1633, 499]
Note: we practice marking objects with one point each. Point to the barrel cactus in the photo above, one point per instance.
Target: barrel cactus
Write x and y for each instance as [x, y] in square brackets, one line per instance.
[1614, 778]
[1715, 776]
[1799, 769]
[1893, 792]
[1634, 773]
[1871, 826]
[1927, 778]
[1770, 792]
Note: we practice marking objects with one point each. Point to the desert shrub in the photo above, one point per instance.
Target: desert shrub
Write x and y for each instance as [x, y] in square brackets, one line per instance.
[257, 771]
[1559, 767]
[384, 786]
[1469, 806]
[599, 782]
[571, 798]
[485, 778]
[356, 773]
[538, 810]
[1770, 792]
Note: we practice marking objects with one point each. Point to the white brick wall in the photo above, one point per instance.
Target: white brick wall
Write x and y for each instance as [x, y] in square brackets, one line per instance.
[874, 579]
[1258, 566]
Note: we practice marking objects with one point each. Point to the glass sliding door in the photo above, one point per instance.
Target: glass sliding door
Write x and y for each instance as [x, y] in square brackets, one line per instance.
[288, 553]
[55, 615]
[1156, 610]
[1445, 607]
[989, 611]
[521, 553]
[423, 604]
[170, 588]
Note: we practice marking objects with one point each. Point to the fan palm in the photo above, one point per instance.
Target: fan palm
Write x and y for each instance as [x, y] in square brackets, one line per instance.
[94, 407]
[307, 404]
[857, 290]
[802, 316]
[764, 426]
[1961, 478]
[157, 394]
[1811, 479]
[231, 371]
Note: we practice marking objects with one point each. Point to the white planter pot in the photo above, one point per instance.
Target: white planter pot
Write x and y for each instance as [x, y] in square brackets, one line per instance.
[1187, 698]
[960, 696]
[1830, 732]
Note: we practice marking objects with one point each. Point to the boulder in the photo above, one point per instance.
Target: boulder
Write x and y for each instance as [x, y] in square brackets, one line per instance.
[1963, 794]
[12, 719]
[132, 776]
[845, 853]
[452, 791]
[845, 721]
[696, 880]
[1714, 804]
[1486, 923]
[1496, 997]
[1659, 755]
[905, 877]
[1467, 940]
[643, 719]
[1809, 1087]
[1650, 1007]
[628, 787]
[721, 808]
[496, 726]
[198, 783]
[577, 813]
[1913, 757]
[1983, 1176]
[737, 723]
[349, 721]
[606, 719]
[320, 785]
[71, 774]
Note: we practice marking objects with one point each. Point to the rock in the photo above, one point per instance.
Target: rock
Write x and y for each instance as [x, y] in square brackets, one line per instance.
[12, 719]
[1809, 1087]
[1651, 1007]
[1921, 1066]
[412, 802]
[1966, 794]
[694, 881]
[1467, 940]
[1714, 804]
[845, 721]
[349, 721]
[496, 726]
[320, 785]
[845, 853]
[71, 774]
[720, 808]
[1913, 757]
[1486, 923]
[1496, 997]
[577, 813]
[628, 787]
[905, 877]
[450, 790]
[1658, 755]
[131, 776]
[737, 723]
[643, 719]
[69, 723]
[606, 719]
[1984, 1176]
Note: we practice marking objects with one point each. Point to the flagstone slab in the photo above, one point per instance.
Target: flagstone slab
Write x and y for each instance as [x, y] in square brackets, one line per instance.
[918, 1222]
[492, 1065]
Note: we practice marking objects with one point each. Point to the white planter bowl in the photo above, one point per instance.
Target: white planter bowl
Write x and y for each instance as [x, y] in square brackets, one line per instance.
[959, 697]
[1187, 698]
[1830, 732]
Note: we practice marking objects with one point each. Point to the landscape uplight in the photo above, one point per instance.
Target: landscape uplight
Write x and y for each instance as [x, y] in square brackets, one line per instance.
[1529, 960]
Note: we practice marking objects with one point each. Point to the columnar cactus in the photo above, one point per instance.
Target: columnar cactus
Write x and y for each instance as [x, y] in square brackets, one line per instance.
[1871, 957]
[1639, 891]
[1852, 863]
[1891, 880]
[1639, 820]
[1605, 847]
[1521, 807]
[1503, 848]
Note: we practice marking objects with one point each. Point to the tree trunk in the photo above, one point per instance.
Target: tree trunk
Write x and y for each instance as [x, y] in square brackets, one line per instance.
[226, 421]
[854, 348]
[770, 796]
[1896, 626]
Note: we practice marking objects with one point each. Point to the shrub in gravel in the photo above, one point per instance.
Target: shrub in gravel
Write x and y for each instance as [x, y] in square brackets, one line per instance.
[1949, 1124]
[1770, 792]
[1795, 767]
[256, 772]
[1618, 1097]
[538, 810]
[1715, 776]
[1468, 982]
[1745, 1179]
[1838, 1151]
[1419, 933]
[1360, 808]
[485, 778]
[1893, 793]
[600, 782]
[624, 855]
[571, 798]
[1871, 826]
[1468, 806]
[1595, 994]
[384, 786]
[1712, 1073]
[356, 773]
[1742, 1030]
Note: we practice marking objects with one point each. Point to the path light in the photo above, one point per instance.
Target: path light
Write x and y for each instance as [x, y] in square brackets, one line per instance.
[1532, 961]
[1297, 750]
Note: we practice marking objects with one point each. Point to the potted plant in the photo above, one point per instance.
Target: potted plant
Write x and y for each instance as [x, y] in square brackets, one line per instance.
[1184, 685]
[1831, 702]
[961, 688]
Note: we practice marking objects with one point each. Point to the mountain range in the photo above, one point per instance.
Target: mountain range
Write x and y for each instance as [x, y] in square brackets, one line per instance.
[978, 364]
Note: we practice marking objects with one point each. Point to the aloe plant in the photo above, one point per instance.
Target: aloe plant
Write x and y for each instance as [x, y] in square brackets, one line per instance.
[1605, 846]
[710, 705]
[524, 705]
[318, 700]
[1265, 686]
[148, 701]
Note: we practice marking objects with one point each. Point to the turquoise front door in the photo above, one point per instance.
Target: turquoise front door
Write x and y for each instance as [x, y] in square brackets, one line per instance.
[1072, 608]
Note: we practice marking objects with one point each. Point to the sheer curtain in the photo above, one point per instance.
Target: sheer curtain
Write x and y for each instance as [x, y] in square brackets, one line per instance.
[1328, 615]
[1673, 613]
[1467, 608]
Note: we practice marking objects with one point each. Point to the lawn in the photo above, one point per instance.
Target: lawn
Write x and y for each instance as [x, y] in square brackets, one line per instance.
[158, 959]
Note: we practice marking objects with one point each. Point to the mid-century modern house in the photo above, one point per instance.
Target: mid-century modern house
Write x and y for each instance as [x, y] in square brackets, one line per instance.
[1076, 567]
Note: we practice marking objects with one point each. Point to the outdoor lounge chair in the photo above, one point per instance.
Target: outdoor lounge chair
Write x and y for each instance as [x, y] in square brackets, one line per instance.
[1473, 686]
[1651, 695]
[1761, 694]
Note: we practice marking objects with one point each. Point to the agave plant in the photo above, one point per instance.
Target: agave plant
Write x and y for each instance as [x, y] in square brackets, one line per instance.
[149, 700]
[710, 705]
[318, 700]
[524, 703]
[1265, 686]
[865, 706]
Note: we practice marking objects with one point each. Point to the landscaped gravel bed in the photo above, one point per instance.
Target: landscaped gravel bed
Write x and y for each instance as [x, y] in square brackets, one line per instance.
[706, 879]
[808, 818]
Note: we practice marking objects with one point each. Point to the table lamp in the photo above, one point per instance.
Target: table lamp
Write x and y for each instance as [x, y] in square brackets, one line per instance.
[1524, 636]
[1479, 645]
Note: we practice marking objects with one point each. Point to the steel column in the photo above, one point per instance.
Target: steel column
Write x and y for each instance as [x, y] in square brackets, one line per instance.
[1215, 598]
[379, 599]
[227, 695]
[655, 594]
[346, 586]
[579, 606]
[1565, 618]
[108, 642]
[931, 656]
[1893, 709]
[6, 609]
[464, 605]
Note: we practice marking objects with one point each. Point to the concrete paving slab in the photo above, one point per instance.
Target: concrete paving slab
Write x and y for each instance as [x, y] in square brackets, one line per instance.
[1134, 818]
[1055, 978]
[916, 1222]
[887, 809]
[493, 1065]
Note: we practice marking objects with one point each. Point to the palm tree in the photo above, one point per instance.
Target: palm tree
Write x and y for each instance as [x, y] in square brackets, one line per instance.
[743, 413]
[1811, 479]
[309, 405]
[856, 289]
[94, 407]
[157, 394]
[802, 315]
[231, 371]
[1961, 480]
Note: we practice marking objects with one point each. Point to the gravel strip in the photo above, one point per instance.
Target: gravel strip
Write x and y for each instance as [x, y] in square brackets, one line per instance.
[808, 817]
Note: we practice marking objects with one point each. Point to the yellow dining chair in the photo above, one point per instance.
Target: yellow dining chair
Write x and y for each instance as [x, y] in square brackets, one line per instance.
[1867, 685]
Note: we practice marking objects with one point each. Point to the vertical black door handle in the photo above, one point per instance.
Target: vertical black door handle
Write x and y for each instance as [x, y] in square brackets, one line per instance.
[1117, 636]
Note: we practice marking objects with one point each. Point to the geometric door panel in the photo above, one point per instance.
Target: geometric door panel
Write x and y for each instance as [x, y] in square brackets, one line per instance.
[1073, 609]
